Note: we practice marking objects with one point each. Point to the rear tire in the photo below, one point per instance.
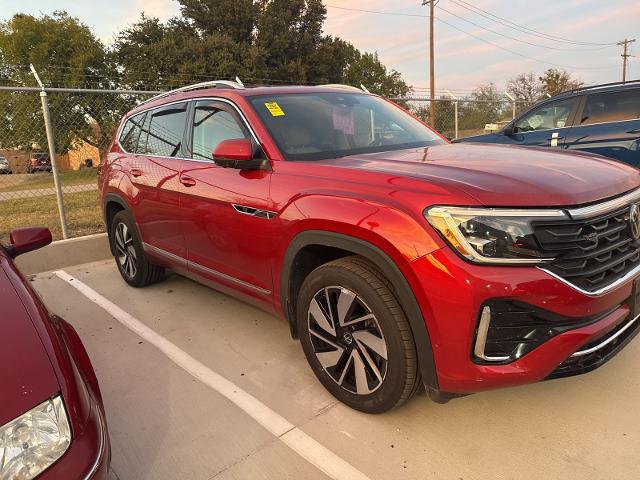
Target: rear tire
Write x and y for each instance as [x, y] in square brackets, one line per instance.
[356, 337]
[132, 263]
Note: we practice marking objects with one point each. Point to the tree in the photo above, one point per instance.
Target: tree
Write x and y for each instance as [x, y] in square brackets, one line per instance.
[63, 51]
[266, 41]
[233, 18]
[555, 81]
[525, 87]
[486, 106]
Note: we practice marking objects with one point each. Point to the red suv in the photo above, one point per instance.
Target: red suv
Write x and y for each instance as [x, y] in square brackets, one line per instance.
[399, 260]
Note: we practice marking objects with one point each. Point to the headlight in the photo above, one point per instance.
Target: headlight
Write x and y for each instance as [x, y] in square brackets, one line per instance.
[34, 441]
[492, 235]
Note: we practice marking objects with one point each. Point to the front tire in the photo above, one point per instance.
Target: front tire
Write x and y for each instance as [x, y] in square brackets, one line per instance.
[356, 337]
[133, 265]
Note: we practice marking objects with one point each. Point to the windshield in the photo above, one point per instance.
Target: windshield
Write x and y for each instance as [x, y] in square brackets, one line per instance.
[318, 126]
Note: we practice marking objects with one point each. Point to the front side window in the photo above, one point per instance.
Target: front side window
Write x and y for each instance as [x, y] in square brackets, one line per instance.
[131, 132]
[211, 125]
[547, 117]
[165, 131]
[318, 126]
[611, 107]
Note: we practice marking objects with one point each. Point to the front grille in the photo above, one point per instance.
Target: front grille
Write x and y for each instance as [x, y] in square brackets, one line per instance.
[591, 253]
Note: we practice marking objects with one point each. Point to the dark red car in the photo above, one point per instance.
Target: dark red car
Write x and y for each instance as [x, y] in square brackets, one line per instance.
[399, 260]
[52, 421]
[39, 162]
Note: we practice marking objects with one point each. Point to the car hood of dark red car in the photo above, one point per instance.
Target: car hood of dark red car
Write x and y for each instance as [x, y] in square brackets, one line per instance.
[502, 175]
[26, 375]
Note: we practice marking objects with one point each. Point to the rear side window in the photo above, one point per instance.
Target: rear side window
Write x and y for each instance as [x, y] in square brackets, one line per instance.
[130, 133]
[611, 107]
[211, 125]
[164, 130]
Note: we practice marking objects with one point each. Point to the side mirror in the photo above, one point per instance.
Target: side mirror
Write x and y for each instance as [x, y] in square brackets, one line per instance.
[25, 240]
[509, 130]
[238, 150]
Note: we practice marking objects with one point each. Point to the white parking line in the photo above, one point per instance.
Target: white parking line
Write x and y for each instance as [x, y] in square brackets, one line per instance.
[298, 441]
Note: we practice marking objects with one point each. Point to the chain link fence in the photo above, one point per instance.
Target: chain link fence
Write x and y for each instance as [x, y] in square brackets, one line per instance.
[83, 123]
[464, 117]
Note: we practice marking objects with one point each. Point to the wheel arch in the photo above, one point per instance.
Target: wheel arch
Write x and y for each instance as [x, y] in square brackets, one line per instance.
[113, 204]
[340, 245]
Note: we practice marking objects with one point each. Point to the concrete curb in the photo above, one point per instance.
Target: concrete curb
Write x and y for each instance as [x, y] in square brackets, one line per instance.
[65, 253]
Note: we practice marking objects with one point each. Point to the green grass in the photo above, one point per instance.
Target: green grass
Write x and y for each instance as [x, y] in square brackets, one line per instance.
[15, 183]
[83, 214]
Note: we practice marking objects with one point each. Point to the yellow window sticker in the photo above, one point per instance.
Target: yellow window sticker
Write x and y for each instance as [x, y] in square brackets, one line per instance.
[274, 109]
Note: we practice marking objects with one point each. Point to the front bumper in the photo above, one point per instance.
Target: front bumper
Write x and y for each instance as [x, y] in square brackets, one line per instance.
[451, 293]
[89, 454]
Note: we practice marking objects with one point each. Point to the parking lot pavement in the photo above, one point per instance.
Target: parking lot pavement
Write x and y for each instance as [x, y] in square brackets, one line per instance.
[166, 424]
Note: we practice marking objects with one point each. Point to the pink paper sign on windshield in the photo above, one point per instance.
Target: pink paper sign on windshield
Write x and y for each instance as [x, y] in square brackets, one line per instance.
[343, 120]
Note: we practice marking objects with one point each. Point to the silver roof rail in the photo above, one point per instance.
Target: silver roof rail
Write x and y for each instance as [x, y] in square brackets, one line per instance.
[196, 86]
[341, 85]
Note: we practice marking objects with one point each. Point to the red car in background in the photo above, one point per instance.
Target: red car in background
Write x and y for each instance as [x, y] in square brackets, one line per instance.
[52, 420]
[39, 162]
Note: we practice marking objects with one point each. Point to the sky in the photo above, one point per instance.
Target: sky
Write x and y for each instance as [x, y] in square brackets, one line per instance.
[472, 45]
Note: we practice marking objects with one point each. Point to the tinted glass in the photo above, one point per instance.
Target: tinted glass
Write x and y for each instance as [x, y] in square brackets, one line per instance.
[211, 125]
[316, 126]
[144, 135]
[165, 131]
[611, 107]
[131, 132]
[549, 116]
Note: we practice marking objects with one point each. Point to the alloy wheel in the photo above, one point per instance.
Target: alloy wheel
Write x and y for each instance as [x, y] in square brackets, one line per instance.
[347, 340]
[125, 250]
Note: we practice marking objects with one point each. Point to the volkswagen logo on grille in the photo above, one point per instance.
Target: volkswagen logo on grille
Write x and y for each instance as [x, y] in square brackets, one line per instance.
[634, 221]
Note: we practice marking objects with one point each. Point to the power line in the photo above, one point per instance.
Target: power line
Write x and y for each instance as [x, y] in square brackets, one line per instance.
[522, 28]
[521, 40]
[567, 67]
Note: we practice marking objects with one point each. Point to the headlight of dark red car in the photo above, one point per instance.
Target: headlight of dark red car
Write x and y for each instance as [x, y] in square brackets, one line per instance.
[492, 235]
[34, 441]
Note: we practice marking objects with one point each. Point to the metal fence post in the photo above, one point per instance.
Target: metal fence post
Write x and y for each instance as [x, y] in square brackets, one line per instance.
[52, 154]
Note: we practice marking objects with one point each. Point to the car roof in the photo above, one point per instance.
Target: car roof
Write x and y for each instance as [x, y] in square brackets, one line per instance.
[231, 93]
[603, 88]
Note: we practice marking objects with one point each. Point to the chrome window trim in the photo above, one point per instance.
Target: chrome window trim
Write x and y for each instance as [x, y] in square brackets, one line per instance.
[185, 100]
[582, 353]
[605, 207]
[606, 123]
[215, 273]
[626, 277]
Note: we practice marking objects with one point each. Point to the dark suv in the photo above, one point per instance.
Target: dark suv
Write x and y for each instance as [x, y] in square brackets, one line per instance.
[399, 260]
[602, 119]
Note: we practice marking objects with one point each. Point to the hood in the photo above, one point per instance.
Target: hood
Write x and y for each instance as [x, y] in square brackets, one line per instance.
[504, 175]
[26, 375]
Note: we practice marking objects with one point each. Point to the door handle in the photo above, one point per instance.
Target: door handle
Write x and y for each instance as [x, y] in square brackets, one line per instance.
[136, 172]
[187, 181]
[637, 130]
[555, 138]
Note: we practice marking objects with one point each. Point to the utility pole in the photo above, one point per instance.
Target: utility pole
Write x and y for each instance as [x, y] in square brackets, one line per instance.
[625, 56]
[432, 82]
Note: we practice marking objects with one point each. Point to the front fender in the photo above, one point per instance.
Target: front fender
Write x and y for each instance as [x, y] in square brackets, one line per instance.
[401, 236]
[388, 238]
